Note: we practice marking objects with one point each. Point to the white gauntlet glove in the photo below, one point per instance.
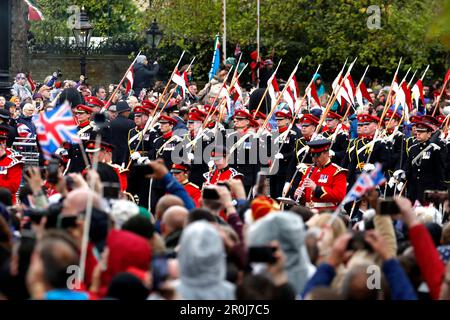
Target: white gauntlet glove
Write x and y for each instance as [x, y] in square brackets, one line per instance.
[190, 156]
[143, 160]
[135, 155]
[279, 156]
[368, 167]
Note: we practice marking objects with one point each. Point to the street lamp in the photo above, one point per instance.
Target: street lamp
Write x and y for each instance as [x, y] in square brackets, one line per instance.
[154, 35]
[82, 32]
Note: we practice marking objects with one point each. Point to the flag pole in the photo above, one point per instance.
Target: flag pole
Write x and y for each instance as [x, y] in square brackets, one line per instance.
[106, 106]
[439, 97]
[218, 109]
[323, 117]
[224, 19]
[398, 105]
[291, 124]
[424, 73]
[267, 88]
[386, 105]
[141, 134]
[257, 40]
[357, 87]
[274, 106]
[330, 104]
[89, 205]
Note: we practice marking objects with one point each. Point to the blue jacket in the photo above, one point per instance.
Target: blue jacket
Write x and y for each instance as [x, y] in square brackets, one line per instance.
[401, 288]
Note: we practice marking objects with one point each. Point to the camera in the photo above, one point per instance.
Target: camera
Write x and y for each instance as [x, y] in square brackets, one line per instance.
[388, 206]
[59, 73]
[210, 194]
[263, 254]
[52, 171]
[435, 196]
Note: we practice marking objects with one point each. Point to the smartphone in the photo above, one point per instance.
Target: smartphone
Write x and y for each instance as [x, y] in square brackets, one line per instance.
[160, 271]
[263, 254]
[260, 183]
[210, 194]
[52, 171]
[389, 207]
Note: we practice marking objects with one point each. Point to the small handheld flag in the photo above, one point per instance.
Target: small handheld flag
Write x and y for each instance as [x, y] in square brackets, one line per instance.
[55, 127]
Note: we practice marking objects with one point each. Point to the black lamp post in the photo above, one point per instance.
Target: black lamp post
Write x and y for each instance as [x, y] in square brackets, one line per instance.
[83, 32]
[154, 35]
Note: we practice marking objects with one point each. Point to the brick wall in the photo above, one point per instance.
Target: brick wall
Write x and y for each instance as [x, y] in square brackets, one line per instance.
[104, 69]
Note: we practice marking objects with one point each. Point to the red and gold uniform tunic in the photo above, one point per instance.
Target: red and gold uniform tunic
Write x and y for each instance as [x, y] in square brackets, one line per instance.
[11, 173]
[331, 181]
[225, 174]
[194, 191]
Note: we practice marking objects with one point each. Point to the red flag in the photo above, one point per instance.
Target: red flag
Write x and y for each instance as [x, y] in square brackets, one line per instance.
[312, 93]
[31, 82]
[130, 77]
[417, 92]
[364, 92]
[447, 76]
[407, 93]
[236, 91]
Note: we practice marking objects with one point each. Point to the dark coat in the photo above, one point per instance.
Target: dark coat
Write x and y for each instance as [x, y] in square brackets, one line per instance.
[144, 77]
[120, 128]
[427, 174]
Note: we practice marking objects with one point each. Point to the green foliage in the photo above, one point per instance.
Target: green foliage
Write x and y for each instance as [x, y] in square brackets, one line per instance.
[110, 17]
[321, 31]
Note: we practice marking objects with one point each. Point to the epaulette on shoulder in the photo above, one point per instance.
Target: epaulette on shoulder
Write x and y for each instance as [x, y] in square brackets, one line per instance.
[178, 139]
[193, 184]
[293, 132]
[339, 169]
[14, 161]
[235, 173]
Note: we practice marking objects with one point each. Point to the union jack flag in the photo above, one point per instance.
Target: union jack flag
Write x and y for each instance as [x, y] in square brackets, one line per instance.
[55, 127]
[365, 182]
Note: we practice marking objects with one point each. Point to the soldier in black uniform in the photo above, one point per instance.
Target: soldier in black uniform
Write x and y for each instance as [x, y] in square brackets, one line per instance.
[82, 116]
[281, 146]
[396, 146]
[363, 152]
[244, 149]
[339, 139]
[121, 125]
[195, 144]
[137, 185]
[426, 165]
[165, 148]
[301, 157]
[411, 140]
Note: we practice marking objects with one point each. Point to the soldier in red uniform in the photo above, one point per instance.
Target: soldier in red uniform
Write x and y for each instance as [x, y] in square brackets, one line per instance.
[94, 102]
[105, 156]
[220, 171]
[10, 167]
[181, 173]
[324, 183]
